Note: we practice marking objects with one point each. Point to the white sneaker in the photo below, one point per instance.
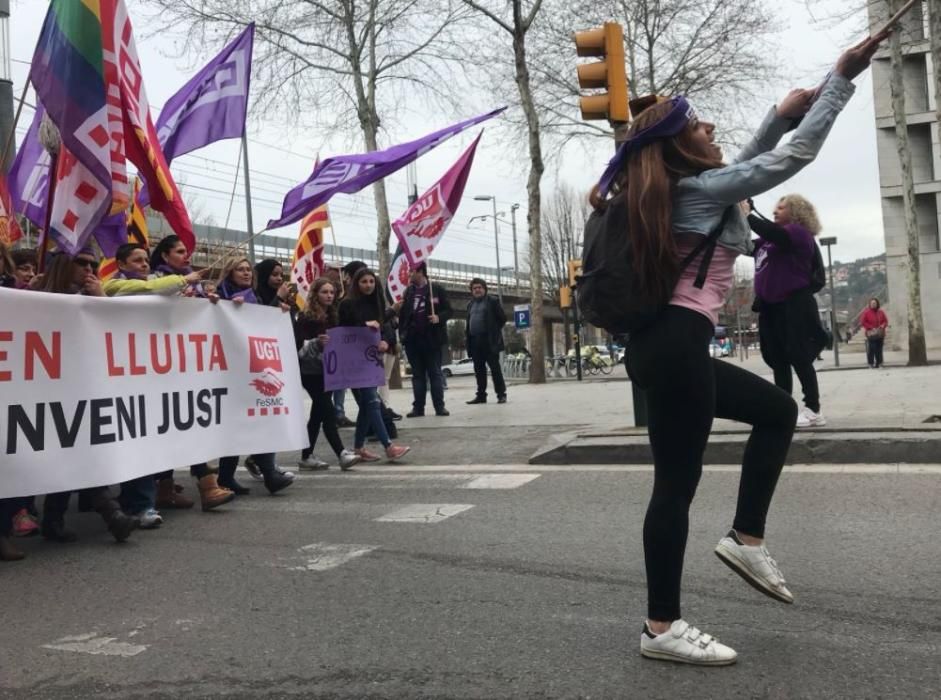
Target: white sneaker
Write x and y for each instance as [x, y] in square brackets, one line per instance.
[808, 419]
[349, 459]
[150, 519]
[687, 645]
[755, 565]
[311, 463]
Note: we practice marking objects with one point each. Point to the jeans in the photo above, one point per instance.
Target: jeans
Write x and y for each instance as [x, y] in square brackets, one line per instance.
[321, 414]
[370, 415]
[483, 358]
[874, 351]
[138, 495]
[686, 389]
[425, 358]
[339, 398]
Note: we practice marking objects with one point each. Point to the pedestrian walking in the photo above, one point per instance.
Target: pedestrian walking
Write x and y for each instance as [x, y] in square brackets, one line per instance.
[678, 202]
[423, 325]
[484, 336]
[874, 323]
[788, 272]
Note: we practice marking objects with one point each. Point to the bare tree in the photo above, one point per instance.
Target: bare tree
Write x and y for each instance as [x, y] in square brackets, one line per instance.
[563, 225]
[334, 64]
[517, 27]
[917, 352]
[934, 29]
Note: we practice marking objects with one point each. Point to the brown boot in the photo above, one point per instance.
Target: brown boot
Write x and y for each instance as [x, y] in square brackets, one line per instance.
[8, 551]
[170, 495]
[211, 494]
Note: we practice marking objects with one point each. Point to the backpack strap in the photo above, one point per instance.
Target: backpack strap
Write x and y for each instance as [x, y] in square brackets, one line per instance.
[708, 244]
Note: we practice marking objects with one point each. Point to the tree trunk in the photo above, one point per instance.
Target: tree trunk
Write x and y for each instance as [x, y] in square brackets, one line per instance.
[384, 224]
[934, 28]
[917, 353]
[537, 373]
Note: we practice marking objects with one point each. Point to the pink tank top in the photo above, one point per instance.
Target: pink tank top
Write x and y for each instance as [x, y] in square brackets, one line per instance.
[719, 281]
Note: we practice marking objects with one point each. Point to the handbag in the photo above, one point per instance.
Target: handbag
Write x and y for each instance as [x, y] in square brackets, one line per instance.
[310, 357]
[876, 333]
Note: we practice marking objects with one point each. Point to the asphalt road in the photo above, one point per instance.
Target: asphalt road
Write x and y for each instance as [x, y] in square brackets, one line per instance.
[532, 589]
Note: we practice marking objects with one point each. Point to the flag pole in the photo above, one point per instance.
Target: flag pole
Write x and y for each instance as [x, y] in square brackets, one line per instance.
[333, 238]
[248, 200]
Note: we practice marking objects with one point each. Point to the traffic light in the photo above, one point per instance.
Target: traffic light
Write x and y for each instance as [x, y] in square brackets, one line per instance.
[607, 74]
[565, 297]
[575, 269]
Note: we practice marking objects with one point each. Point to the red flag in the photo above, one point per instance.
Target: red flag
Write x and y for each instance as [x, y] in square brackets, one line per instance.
[422, 225]
[308, 262]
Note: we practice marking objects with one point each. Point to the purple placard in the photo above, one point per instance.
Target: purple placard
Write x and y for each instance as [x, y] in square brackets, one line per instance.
[351, 359]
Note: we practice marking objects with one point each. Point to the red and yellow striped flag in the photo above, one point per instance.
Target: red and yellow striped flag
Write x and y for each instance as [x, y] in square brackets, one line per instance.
[308, 262]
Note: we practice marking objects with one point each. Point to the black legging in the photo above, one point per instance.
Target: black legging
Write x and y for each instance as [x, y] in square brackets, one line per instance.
[322, 413]
[686, 389]
[807, 376]
[874, 351]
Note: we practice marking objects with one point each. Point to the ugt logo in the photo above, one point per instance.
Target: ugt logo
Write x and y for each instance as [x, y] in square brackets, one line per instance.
[264, 353]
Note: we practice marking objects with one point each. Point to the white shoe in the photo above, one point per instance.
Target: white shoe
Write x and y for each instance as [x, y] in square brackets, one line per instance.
[808, 419]
[755, 565]
[686, 645]
[311, 463]
[150, 519]
[349, 459]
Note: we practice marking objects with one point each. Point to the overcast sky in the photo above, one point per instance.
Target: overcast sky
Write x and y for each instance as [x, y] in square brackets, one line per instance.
[843, 182]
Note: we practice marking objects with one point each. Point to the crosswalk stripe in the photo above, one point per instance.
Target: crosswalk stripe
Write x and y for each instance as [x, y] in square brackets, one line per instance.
[424, 513]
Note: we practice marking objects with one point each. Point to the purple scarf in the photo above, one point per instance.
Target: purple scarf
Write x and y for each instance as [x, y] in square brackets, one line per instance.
[129, 275]
[227, 290]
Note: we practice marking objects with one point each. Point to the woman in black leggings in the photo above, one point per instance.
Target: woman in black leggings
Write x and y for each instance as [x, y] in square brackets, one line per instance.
[310, 335]
[675, 193]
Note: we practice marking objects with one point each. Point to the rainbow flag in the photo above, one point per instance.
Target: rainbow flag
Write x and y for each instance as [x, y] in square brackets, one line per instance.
[308, 262]
[88, 77]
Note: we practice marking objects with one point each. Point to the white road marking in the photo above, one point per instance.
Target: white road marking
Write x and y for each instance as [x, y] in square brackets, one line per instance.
[92, 644]
[322, 556]
[424, 513]
[500, 481]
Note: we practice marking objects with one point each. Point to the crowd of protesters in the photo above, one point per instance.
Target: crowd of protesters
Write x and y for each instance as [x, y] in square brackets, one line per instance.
[348, 296]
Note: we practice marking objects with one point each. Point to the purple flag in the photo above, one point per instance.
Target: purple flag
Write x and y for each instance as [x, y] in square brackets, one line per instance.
[211, 106]
[352, 173]
[29, 175]
[111, 233]
[351, 360]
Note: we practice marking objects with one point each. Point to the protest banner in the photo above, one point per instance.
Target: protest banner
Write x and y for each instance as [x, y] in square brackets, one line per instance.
[98, 391]
[351, 359]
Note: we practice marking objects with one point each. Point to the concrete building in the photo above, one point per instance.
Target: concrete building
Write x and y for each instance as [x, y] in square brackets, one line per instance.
[920, 104]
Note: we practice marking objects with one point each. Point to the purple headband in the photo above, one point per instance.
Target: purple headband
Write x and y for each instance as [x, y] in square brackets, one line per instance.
[672, 124]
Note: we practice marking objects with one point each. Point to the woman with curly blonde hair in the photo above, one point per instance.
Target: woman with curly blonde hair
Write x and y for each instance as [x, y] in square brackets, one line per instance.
[789, 328]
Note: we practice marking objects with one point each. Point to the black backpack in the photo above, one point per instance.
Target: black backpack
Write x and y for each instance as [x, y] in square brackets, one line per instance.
[608, 292]
[818, 272]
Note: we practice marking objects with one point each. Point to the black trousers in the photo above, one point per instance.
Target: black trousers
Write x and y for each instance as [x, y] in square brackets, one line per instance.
[686, 389]
[874, 351]
[322, 413]
[807, 376]
[56, 505]
[484, 357]
[8, 508]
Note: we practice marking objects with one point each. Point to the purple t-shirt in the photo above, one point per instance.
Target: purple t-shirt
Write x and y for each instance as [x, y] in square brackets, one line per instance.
[782, 270]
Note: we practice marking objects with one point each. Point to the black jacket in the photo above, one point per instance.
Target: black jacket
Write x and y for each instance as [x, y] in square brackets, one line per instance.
[356, 312]
[496, 319]
[438, 332]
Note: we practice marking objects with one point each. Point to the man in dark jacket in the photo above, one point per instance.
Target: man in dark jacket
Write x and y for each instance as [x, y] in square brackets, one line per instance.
[485, 321]
[423, 327]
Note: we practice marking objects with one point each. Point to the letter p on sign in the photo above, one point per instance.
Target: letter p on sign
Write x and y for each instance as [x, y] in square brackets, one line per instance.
[264, 354]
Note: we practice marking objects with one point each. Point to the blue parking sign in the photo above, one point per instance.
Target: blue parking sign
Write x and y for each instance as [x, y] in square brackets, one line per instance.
[522, 316]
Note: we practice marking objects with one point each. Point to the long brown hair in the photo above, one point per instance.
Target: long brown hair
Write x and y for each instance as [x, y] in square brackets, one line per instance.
[376, 296]
[315, 310]
[59, 275]
[648, 182]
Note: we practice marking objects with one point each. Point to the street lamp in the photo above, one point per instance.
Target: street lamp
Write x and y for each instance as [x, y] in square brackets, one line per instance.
[496, 238]
[6, 84]
[516, 260]
[828, 242]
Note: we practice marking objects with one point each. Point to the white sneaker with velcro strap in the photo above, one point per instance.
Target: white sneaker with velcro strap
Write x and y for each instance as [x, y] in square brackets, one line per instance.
[685, 644]
[755, 565]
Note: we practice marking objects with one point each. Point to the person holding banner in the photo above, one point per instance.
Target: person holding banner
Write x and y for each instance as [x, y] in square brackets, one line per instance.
[310, 334]
[24, 263]
[79, 275]
[171, 258]
[364, 305]
[271, 287]
[423, 325]
[237, 285]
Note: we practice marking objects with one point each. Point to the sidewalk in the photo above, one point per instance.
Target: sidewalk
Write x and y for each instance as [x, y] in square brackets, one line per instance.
[874, 416]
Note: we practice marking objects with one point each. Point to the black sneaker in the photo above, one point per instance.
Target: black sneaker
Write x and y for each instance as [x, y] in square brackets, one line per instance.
[443, 412]
[121, 525]
[276, 481]
[344, 422]
[501, 399]
[477, 399]
[415, 414]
